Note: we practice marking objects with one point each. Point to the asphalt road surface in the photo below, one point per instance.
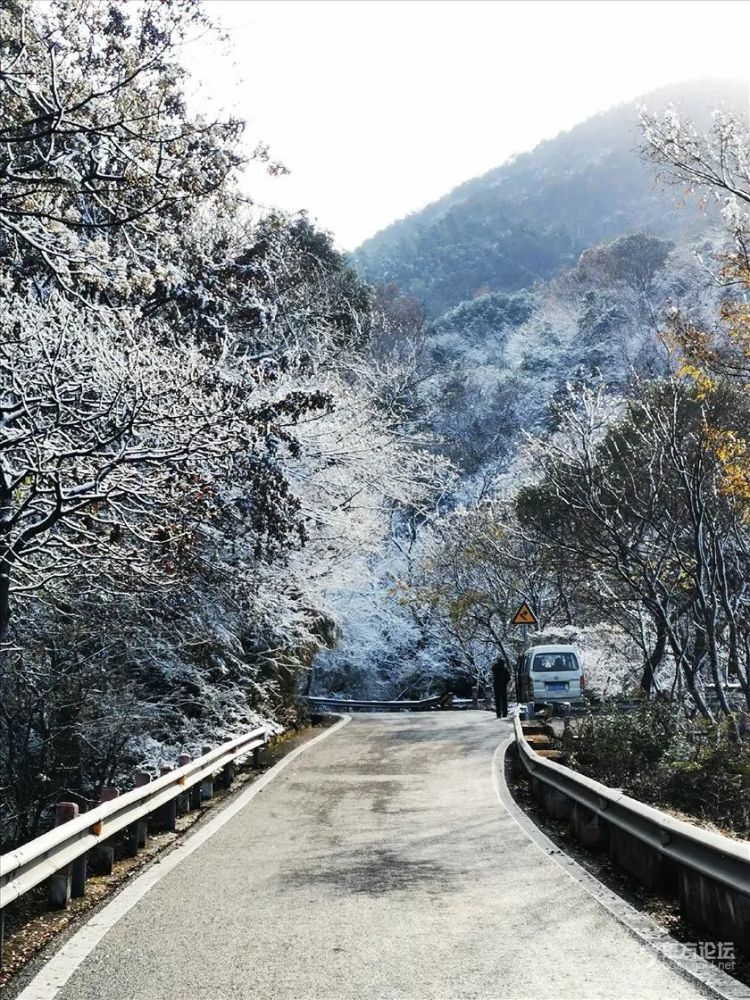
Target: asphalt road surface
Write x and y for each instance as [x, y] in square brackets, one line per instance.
[379, 864]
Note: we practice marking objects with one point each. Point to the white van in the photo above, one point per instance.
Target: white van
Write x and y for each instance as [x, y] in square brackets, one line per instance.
[550, 673]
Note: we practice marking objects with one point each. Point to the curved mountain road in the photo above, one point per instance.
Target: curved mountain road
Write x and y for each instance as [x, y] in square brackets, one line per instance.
[378, 864]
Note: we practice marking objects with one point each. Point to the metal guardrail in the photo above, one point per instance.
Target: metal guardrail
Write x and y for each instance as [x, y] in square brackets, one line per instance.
[712, 855]
[352, 704]
[27, 866]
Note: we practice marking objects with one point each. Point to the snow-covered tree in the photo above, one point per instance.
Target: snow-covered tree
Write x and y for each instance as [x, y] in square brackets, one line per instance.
[203, 416]
[98, 153]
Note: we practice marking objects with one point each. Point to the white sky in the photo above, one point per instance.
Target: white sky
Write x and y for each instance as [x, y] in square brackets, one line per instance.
[378, 107]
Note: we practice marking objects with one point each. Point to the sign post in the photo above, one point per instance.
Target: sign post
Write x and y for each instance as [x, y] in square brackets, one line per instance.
[524, 617]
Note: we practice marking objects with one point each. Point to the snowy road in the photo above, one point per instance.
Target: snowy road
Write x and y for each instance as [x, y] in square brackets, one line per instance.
[380, 863]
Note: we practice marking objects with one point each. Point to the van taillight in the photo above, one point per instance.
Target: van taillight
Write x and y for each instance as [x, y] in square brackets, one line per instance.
[583, 681]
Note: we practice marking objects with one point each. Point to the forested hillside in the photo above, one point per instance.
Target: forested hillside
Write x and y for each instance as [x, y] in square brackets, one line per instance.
[599, 426]
[526, 220]
[538, 372]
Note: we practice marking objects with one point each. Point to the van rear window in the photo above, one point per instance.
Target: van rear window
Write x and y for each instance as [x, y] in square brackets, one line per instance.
[552, 662]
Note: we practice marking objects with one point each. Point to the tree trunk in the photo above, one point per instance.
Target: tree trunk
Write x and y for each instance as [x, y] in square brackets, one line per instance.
[653, 661]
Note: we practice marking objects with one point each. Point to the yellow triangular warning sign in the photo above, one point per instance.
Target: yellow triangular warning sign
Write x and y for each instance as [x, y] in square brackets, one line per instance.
[524, 616]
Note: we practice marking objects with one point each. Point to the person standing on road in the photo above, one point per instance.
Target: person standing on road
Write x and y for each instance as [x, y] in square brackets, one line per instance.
[500, 679]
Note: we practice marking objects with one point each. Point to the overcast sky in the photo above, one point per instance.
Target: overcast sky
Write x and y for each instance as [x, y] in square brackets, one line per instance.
[378, 107]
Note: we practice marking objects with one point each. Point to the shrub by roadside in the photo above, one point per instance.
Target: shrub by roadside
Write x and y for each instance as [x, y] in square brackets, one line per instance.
[659, 756]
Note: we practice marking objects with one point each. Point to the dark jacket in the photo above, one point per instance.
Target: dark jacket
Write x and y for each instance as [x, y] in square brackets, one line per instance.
[500, 672]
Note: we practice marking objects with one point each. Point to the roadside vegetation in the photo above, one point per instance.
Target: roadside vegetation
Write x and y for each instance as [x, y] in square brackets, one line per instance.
[658, 755]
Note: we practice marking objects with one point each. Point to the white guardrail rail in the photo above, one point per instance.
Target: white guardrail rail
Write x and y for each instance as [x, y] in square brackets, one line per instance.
[710, 854]
[722, 902]
[27, 866]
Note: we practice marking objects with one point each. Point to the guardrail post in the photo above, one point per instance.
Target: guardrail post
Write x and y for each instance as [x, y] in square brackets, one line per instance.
[716, 907]
[196, 796]
[60, 882]
[78, 875]
[138, 831]
[556, 804]
[629, 852]
[227, 775]
[207, 785]
[168, 812]
[103, 855]
[256, 757]
[183, 800]
[588, 829]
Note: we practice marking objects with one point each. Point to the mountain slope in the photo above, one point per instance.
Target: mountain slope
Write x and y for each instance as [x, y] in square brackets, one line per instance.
[527, 219]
